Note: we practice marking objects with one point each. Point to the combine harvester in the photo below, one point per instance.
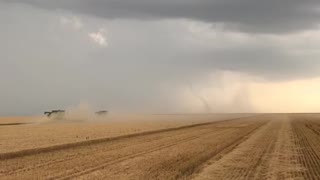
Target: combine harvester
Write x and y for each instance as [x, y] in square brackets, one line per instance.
[60, 114]
[102, 113]
[56, 114]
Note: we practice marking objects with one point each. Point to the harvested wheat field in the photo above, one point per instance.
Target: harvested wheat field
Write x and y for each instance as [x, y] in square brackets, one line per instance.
[268, 146]
[20, 133]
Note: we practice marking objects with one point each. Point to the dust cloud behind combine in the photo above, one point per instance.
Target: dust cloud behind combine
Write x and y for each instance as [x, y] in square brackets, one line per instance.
[82, 112]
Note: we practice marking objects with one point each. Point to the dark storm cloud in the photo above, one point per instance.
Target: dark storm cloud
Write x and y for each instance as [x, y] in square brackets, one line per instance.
[267, 16]
[48, 59]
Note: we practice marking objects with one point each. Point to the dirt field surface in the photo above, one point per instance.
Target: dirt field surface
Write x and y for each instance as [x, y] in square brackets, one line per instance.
[20, 133]
[273, 146]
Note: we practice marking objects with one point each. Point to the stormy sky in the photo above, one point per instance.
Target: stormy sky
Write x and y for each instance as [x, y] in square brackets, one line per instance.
[168, 56]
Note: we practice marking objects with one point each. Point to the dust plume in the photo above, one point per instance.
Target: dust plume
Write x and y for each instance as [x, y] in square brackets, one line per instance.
[82, 112]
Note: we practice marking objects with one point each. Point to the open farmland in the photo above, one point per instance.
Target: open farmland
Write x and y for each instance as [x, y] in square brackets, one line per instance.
[20, 133]
[270, 146]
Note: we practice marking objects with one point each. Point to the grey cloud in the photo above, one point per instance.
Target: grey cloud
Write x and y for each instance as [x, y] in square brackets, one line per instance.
[270, 16]
[46, 65]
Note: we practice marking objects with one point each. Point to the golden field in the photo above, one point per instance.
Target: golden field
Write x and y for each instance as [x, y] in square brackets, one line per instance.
[42, 132]
[266, 146]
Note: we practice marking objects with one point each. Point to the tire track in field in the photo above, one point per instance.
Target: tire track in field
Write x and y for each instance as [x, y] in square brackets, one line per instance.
[93, 168]
[284, 162]
[195, 133]
[117, 160]
[52, 162]
[85, 174]
[309, 142]
[118, 146]
[28, 152]
[86, 160]
[193, 166]
[121, 139]
[108, 163]
[256, 157]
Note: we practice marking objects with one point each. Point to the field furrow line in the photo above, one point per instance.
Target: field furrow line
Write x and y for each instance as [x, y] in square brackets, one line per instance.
[94, 168]
[249, 160]
[35, 151]
[309, 152]
[102, 150]
[74, 156]
[104, 165]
